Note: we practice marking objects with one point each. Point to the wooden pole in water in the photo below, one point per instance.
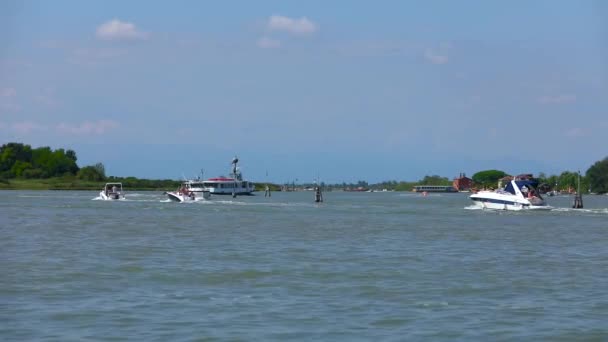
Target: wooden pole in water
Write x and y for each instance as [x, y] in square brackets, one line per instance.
[318, 195]
[578, 198]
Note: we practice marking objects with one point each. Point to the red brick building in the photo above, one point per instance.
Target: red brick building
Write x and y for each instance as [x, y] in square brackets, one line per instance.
[462, 183]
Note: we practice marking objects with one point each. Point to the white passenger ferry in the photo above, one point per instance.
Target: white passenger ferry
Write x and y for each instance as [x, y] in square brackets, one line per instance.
[233, 185]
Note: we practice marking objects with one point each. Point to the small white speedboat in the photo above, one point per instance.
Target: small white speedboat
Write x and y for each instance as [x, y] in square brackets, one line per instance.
[518, 194]
[186, 194]
[112, 192]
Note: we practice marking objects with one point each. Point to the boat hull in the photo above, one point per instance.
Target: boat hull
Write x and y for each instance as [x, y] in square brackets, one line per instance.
[229, 187]
[180, 198]
[505, 202]
[240, 192]
[110, 197]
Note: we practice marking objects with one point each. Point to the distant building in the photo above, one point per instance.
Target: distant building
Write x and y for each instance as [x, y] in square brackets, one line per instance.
[462, 183]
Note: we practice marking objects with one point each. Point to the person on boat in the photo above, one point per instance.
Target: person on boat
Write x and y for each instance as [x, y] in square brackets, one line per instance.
[114, 188]
[524, 191]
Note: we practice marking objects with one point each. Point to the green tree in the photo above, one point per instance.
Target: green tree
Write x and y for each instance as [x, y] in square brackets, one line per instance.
[567, 180]
[19, 167]
[71, 155]
[435, 180]
[11, 153]
[488, 177]
[54, 163]
[100, 169]
[597, 176]
[95, 173]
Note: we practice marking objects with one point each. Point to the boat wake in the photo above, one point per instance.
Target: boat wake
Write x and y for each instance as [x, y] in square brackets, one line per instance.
[546, 209]
[572, 210]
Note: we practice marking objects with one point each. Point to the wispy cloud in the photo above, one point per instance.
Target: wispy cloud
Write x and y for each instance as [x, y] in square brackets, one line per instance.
[120, 30]
[94, 56]
[268, 43]
[87, 127]
[576, 132]
[27, 127]
[438, 54]
[301, 26]
[8, 100]
[8, 92]
[559, 99]
[47, 98]
[435, 58]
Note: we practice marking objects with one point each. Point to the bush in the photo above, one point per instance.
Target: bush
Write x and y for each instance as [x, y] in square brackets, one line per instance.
[34, 173]
[90, 173]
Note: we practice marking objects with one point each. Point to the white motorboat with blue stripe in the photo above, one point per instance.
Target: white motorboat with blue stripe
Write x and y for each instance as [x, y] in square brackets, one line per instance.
[518, 194]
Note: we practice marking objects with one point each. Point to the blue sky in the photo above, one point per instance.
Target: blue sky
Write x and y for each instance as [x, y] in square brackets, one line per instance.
[347, 90]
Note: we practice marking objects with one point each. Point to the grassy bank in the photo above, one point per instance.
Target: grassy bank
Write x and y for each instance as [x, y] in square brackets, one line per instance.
[72, 183]
[62, 183]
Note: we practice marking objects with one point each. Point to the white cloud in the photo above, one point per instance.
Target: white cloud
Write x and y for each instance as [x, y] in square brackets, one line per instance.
[559, 99]
[268, 43]
[87, 127]
[27, 127]
[119, 30]
[300, 26]
[435, 58]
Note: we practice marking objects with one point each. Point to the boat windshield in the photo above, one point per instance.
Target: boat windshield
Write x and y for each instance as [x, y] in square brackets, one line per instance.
[527, 187]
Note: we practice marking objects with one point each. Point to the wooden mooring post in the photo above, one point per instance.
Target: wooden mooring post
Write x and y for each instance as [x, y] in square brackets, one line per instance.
[578, 197]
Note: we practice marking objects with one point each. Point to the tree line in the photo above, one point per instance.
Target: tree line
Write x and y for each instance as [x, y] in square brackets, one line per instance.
[21, 161]
[594, 180]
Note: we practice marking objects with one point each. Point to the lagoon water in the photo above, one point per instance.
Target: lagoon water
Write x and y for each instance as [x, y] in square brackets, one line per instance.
[361, 266]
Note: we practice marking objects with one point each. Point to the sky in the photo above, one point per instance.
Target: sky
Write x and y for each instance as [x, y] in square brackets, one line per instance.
[299, 90]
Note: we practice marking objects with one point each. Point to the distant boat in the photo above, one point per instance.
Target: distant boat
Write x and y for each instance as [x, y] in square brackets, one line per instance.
[112, 192]
[357, 189]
